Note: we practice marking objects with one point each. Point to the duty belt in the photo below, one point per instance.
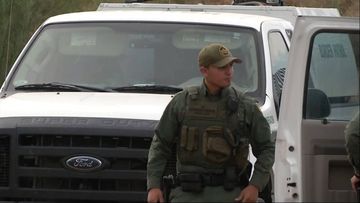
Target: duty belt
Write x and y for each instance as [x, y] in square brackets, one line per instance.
[213, 179]
[206, 179]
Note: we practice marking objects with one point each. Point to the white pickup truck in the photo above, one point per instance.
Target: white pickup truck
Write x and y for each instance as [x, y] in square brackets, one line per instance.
[78, 108]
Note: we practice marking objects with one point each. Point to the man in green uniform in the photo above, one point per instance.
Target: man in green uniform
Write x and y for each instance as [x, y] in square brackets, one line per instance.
[212, 127]
[352, 140]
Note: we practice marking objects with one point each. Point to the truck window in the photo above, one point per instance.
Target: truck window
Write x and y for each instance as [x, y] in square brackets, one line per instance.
[112, 55]
[334, 70]
[279, 53]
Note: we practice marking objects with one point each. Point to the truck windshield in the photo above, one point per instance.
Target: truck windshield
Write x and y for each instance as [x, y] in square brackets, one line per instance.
[115, 55]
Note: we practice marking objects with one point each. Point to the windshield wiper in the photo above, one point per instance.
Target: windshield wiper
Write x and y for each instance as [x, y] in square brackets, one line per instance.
[148, 88]
[55, 86]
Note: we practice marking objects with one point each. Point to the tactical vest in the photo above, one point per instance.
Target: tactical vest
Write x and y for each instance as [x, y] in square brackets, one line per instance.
[213, 134]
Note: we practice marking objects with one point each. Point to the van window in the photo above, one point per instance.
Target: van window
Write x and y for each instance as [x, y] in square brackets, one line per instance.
[334, 70]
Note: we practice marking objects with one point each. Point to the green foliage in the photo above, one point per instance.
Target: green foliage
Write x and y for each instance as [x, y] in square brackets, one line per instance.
[4, 22]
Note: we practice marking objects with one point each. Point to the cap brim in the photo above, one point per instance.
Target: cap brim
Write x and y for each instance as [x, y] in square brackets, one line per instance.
[226, 61]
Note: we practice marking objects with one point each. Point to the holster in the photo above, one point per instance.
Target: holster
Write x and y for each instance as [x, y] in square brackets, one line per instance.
[230, 179]
[245, 176]
[168, 183]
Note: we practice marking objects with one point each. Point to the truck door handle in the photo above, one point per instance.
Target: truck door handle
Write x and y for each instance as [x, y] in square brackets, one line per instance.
[291, 184]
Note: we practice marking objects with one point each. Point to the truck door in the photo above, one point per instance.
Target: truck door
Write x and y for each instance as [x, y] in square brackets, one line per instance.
[319, 97]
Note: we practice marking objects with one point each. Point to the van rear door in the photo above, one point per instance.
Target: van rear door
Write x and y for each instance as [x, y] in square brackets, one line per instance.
[320, 96]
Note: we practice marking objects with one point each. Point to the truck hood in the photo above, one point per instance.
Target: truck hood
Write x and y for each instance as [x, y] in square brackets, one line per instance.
[85, 104]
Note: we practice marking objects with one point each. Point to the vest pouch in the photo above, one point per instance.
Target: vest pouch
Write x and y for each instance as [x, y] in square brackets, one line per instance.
[215, 147]
[189, 139]
[190, 182]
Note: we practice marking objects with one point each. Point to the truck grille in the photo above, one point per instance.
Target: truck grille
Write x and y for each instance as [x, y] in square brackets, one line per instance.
[126, 157]
[85, 141]
[46, 152]
[82, 184]
[4, 160]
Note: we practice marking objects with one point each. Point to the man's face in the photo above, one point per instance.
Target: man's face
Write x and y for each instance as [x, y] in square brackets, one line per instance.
[218, 77]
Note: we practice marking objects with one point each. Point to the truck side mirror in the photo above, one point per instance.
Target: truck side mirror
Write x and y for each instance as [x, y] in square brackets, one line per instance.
[317, 104]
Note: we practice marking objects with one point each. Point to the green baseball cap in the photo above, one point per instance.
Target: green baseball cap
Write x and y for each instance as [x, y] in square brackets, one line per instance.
[217, 55]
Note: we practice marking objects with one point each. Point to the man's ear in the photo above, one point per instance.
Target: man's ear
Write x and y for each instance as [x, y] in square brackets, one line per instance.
[203, 70]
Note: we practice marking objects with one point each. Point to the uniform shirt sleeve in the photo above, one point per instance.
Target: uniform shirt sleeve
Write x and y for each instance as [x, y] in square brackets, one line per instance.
[162, 143]
[352, 143]
[263, 147]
